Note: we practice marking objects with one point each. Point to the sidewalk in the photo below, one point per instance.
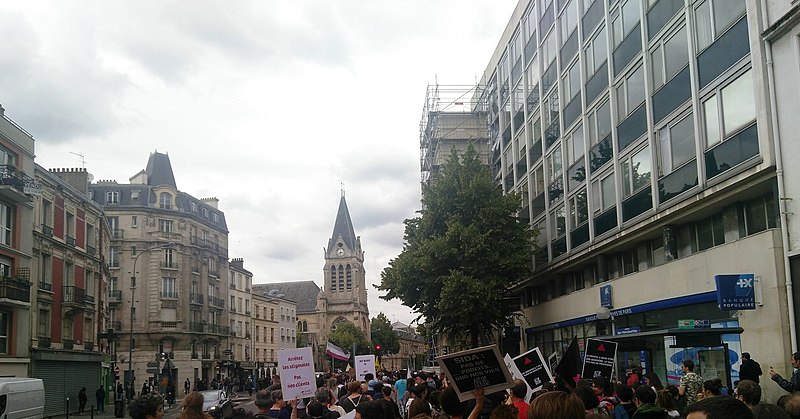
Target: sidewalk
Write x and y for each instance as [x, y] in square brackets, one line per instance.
[238, 397]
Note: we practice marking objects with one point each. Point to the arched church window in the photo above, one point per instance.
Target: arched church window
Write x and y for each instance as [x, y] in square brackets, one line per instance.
[333, 278]
[305, 326]
[349, 277]
[341, 278]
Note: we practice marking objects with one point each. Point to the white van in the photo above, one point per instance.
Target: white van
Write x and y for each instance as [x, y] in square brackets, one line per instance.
[21, 398]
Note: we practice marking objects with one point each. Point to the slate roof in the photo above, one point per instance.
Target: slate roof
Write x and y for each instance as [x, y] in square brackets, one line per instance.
[159, 170]
[303, 293]
[343, 227]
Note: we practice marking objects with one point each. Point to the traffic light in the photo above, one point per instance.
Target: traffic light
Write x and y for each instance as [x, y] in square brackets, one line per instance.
[163, 356]
[378, 348]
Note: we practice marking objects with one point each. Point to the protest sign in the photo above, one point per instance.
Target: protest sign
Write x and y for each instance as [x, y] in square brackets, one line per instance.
[599, 359]
[552, 361]
[296, 368]
[364, 364]
[516, 374]
[476, 368]
[533, 368]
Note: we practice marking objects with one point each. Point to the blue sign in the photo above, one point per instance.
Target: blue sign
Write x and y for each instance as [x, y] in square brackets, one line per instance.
[736, 292]
[605, 296]
[628, 330]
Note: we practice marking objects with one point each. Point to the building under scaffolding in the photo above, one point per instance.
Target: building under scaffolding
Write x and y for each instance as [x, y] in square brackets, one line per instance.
[453, 116]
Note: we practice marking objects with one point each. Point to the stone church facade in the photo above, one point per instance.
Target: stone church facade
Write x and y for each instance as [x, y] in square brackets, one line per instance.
[343, 296]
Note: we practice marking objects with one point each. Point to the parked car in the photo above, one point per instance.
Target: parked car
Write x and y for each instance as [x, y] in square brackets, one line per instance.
[217, 404]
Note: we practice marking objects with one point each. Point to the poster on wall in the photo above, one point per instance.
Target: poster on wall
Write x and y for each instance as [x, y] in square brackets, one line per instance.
[476, 368]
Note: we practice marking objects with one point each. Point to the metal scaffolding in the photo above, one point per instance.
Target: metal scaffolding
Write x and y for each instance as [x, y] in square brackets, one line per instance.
[452, 116]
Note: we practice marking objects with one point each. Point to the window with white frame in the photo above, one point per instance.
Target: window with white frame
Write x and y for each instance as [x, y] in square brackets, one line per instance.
[676, 144]
[575, 145]
[630, 93]
[669, 56]
[603, 193]
[623, 22]
[571, 82]
[67, 328]
[729, 108]
[113, 256]
[529, 23]
[169, 258]
[595, 52]
[636, 170]
[168, 289]
[599, 123]
[165, 226]
[134, 221]
[713, 17]
[112, 197]
[193, 206]
[6, 224]
[578, 209]
[165, 200]
[532, 77]
[569, 20]
[88, 280]
[554, 163]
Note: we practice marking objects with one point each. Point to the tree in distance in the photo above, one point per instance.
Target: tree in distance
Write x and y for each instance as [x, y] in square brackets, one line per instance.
[462, 253]
[346, 334]
[384, 335]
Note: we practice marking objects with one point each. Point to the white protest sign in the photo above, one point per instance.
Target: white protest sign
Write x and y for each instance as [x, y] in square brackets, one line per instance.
[516, 374]
[364, 364]
[296, 368]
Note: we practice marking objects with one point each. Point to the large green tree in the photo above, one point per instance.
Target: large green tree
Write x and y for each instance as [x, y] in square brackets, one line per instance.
[384, 335]
[461, 254]
[346, 334]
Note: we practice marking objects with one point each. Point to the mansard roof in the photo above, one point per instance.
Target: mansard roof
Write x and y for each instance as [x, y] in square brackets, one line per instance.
[159, 170]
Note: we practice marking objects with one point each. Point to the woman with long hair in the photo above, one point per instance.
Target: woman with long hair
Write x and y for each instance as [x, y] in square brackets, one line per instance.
[193, 407]
[651, 380]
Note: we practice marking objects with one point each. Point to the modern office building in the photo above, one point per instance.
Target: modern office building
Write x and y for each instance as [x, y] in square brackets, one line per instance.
[646, 143]
[168, 288]
[70, 306]
[17, 193]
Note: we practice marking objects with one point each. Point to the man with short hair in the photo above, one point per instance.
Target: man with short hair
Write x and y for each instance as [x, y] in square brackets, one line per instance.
[263, 403]
[749, 369]
[792, 384]
[646, 405]
[323, 396]
[792, 406]
[718, 407]
[691, 383]
[749, 392]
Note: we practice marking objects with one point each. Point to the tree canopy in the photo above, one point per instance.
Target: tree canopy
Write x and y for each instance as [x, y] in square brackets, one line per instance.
[384, 335]
[346, 334]
[460, 255]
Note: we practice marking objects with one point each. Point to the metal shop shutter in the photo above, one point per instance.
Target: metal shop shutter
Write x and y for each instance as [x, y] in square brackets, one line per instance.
[65, 379]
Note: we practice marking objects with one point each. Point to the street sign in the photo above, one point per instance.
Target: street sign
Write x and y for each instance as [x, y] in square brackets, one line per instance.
[153, 364]
[227, 352]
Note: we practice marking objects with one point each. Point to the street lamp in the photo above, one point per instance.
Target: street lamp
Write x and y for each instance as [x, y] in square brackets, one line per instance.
[133, 291]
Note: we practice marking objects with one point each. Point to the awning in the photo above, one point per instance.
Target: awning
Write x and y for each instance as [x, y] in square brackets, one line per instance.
[701, 337]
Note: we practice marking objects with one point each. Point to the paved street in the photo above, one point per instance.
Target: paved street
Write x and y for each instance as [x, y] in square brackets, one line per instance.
[242, 400]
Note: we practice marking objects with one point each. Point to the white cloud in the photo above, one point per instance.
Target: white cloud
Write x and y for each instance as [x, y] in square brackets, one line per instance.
[267, 105]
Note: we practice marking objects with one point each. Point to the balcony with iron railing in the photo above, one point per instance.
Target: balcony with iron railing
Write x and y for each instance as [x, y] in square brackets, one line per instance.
[47, 230]
[69, 240]
[15, 289]
[216, 302]
[196, 327]
[117, 234]
[44, 342]
[114, 296]
[213, 273]
[206, 355]
[89, 299]
[113, 262]
[45, 286]
[232, 285]
[13, 183]
[169, 264]
[195, 298]
[169, 294]
[91, 250]
[73, 296]
[67, 343]
[196, 269]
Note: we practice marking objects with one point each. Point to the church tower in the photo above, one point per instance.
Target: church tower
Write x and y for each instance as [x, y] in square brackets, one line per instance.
[344, 296]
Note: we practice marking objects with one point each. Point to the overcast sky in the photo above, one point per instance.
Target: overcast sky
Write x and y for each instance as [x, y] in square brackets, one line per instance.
[267, 105]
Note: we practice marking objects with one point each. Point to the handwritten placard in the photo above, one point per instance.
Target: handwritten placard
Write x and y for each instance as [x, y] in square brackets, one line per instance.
[296, 368]
[476, 368]
[364, 364]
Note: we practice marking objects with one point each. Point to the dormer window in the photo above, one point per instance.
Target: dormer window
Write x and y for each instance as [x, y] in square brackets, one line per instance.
[215, 217]
[165, 200]
[112, 197]
[205, 212]
[194, 207]
[134, 195]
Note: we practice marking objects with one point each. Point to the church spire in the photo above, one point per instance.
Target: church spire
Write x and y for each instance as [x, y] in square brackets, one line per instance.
[343, 227]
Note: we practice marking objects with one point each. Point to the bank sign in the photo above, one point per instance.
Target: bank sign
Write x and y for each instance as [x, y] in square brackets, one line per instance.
[736, 291]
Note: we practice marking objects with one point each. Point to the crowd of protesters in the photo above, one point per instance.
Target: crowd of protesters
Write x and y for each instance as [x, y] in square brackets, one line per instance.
[421, 395]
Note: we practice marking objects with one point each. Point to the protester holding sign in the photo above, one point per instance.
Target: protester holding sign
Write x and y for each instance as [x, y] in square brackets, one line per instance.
[476, 368]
